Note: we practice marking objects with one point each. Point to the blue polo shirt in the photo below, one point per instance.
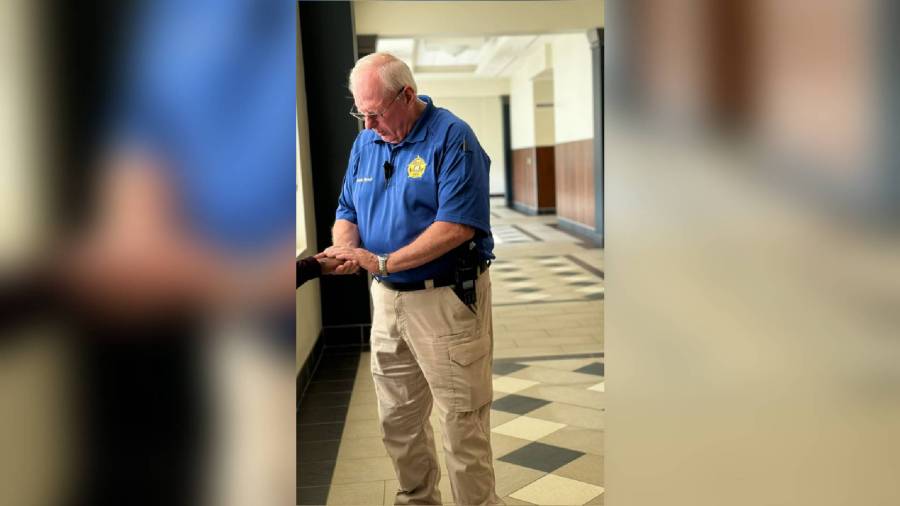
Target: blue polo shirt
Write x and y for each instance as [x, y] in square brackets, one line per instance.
[440, 174]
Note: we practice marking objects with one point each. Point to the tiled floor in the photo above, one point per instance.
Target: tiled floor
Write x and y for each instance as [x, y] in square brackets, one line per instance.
[547, 417]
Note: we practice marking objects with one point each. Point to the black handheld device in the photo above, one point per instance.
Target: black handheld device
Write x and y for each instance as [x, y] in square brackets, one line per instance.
[466, 273]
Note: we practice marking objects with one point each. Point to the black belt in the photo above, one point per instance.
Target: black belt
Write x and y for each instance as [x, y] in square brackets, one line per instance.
[444, 280]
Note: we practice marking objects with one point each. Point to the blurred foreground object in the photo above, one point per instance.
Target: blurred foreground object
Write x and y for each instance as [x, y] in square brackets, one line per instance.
[753, 253]
[166, 301]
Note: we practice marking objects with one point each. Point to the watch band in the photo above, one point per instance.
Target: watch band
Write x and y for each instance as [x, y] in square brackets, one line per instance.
[382, 265]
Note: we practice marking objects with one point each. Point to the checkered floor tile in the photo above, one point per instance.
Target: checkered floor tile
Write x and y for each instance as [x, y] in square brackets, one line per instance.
[552, 489]
[553, 449]
[518, 404]
[542, 457]
[510, 234]
[545, 278]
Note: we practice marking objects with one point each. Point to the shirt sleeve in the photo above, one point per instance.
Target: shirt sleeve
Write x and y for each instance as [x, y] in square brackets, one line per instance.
[307, 268]
[346, 210]
[463, 195]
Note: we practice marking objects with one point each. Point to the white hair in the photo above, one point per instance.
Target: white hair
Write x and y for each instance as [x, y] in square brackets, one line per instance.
[394, 73]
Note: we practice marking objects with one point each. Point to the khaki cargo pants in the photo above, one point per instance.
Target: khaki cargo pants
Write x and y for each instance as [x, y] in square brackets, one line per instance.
[429, 348]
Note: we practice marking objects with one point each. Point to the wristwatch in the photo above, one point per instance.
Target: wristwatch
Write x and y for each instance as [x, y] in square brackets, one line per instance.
[382, 265]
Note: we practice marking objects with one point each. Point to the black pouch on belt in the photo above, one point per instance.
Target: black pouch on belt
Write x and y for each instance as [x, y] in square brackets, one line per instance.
[466, 273]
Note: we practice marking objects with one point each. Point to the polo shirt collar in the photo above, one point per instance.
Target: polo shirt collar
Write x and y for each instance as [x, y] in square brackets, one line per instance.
[420, 129]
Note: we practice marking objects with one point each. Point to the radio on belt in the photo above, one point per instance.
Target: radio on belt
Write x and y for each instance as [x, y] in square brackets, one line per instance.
[466, 274]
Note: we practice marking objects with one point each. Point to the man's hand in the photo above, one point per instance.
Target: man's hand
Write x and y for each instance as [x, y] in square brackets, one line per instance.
[343, 267]
[355, 257]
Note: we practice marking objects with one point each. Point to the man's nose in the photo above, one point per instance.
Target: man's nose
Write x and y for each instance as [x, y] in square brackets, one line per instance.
[371, 121]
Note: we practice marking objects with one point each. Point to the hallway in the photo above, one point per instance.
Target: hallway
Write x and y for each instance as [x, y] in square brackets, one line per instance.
[547, 416]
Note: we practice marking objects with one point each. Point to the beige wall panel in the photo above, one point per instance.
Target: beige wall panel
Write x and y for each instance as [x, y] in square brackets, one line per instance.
[309, 314]
[572, 88]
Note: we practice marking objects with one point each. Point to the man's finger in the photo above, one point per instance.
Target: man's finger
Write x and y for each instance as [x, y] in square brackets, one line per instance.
[344, 268]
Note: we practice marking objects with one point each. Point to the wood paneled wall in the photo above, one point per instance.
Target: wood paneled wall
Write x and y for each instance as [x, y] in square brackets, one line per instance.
[534, 178]
[575, 182]
[524, 181]
[546, 178]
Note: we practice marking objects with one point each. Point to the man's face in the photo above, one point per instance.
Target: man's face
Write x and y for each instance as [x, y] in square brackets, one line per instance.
[390, 106]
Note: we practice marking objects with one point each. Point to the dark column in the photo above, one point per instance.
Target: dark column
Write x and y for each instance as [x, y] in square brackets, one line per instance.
[595, 36]
[329, 52]
[366, 44]
[507, 150]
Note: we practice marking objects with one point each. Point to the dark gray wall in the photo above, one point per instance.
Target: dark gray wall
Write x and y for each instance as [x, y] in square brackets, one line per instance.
[329, 52]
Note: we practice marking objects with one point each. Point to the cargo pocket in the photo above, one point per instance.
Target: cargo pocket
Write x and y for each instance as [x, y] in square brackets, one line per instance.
[460, 312]
[470, 373]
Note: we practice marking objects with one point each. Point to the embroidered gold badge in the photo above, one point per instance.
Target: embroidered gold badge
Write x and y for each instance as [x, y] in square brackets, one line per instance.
[416, 168]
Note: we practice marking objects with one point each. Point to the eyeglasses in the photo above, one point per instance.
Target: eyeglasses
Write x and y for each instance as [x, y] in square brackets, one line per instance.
[374, 115]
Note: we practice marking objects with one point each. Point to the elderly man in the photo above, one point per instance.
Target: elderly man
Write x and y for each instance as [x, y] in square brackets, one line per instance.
[414, 212]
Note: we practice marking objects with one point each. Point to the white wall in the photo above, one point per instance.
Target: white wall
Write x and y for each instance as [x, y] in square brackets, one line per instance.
[398, 19]
[484, 115]
[522, 109]
[521, 112]
[544, 128]
[461, 87]
[573, 88]
[309, 314]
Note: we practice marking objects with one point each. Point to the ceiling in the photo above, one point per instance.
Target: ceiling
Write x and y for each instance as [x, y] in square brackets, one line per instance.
[471, 57]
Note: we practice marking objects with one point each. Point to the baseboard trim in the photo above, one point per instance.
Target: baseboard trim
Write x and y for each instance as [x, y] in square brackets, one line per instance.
[581, 230]
[522, 208]
[532, 211]
[308, 369]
